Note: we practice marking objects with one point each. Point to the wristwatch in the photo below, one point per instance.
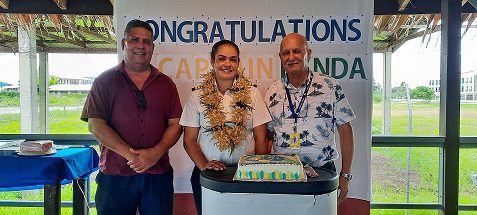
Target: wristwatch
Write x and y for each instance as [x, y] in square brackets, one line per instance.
[348, 176]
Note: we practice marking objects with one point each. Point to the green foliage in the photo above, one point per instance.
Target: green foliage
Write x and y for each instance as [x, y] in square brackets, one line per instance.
[377, 92]
[399, 92]
[422, 92]
[54, 80]
[9, 98]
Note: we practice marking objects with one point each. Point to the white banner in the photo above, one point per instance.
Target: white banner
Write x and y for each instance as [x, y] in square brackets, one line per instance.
[339, 33]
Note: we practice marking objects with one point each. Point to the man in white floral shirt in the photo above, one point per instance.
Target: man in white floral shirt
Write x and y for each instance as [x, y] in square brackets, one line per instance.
[307, 108]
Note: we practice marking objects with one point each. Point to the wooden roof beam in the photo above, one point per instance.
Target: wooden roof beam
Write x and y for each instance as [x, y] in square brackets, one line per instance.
[61, 4]
[97, 36]
[403, 4]
[61, 39]
[4, 4]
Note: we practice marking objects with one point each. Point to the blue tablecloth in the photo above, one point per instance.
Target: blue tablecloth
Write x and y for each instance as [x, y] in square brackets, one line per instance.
[18, 172]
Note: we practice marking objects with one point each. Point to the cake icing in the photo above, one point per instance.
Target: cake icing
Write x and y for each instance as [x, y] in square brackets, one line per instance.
[276, 167]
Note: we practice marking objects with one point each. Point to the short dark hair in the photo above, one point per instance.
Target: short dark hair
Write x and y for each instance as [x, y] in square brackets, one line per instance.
[217, 45]
[137, 23]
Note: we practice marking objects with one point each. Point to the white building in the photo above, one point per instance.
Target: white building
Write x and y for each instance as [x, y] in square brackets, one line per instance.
[468, 86]
[76, 80]
[72, 85]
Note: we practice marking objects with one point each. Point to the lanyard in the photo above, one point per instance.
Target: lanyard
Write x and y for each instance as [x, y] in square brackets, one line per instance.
[300, 105]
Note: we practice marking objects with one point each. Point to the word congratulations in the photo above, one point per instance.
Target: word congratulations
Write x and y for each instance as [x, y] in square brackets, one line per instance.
[259, 30]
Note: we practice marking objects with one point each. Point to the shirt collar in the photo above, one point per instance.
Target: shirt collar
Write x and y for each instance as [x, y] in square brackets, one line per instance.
[154, 71]
[291, 86]
[154, 74]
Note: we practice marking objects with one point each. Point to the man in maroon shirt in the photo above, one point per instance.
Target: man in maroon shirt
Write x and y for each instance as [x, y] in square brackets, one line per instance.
[133, 110]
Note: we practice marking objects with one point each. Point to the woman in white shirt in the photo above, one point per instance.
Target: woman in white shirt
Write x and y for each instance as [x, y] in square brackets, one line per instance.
[224, 118]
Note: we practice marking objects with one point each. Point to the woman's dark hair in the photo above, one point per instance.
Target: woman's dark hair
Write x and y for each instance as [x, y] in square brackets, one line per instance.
[217, 45]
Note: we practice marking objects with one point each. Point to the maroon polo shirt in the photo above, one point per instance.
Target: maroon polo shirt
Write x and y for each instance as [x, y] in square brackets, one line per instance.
[113, 98]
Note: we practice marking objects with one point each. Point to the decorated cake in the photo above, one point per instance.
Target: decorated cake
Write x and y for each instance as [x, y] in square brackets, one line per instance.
[284, 168]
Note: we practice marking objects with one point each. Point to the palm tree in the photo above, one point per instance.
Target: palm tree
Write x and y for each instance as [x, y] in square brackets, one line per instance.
[273, 101]
[306, 133]
[316, 89]
[285, 137]
[326, 109]
[328, 152]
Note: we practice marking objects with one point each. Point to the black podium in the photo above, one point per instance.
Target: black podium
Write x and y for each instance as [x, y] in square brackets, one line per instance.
[220, 194]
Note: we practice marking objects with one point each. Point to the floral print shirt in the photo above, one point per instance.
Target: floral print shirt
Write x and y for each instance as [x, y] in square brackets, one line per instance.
[325, 107]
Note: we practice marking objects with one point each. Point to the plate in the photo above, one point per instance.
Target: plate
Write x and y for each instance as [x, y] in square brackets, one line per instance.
[49, 152]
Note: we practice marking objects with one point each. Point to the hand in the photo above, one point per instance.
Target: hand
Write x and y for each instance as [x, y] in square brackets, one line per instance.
[214, 165]
[145, 159]
[343, 187]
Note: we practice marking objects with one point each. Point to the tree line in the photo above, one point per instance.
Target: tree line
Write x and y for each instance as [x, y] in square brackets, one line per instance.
[399, 92]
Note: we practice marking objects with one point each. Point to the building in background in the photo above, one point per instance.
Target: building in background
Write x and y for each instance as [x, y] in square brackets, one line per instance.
[72, 85]
[62, 85]
[468, 86]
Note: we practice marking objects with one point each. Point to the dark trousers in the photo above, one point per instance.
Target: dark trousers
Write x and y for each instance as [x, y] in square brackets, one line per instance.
[196, 189]
[150, 194]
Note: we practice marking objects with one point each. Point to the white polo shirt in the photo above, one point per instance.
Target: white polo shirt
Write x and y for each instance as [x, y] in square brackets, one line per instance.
[193, 116]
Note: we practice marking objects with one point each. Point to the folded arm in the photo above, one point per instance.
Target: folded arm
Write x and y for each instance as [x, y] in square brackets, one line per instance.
[108, 137]
[146, 158]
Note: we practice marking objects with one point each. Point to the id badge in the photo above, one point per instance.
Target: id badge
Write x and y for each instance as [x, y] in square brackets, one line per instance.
[294, 140]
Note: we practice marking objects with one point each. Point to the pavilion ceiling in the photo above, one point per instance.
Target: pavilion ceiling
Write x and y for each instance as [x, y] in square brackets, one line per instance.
[62, 32]
[392, 31]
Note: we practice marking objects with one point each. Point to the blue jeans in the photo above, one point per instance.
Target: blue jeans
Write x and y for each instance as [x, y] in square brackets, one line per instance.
[150, 194]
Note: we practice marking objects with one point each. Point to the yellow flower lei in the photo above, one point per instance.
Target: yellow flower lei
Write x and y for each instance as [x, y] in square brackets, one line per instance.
[228, 137]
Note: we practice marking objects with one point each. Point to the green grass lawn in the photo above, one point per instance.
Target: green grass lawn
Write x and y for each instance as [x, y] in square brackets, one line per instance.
[389, 165]
[60, 122]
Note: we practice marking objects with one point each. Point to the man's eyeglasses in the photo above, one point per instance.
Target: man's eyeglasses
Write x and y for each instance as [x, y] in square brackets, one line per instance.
[137, 40]
[141, 100]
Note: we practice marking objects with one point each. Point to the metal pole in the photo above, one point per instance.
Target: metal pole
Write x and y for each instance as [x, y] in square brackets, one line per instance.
[409, 107]
[450, 75]
[387, 94]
